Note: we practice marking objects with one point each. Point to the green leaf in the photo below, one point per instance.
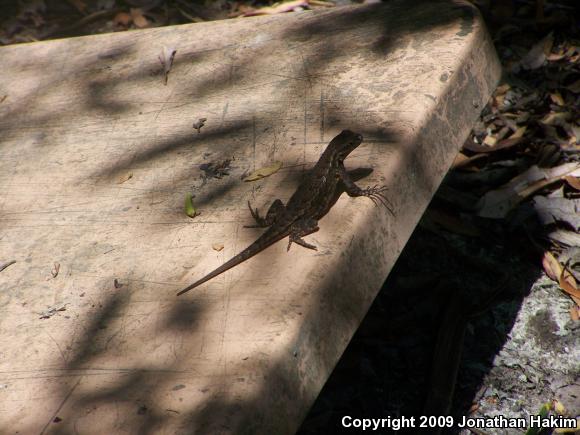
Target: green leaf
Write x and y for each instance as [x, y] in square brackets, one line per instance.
[544, 410]
[189, 208]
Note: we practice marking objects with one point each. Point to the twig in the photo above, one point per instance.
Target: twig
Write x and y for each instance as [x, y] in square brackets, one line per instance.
[84, 21]
[321, 3]
[5, 265]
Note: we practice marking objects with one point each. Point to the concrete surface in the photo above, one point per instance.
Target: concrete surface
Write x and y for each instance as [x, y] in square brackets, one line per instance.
[97, 156]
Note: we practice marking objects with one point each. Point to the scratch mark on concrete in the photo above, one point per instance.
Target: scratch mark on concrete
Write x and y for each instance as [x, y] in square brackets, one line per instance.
[322, 115]
[225, 111]
[57, 346]
[254, 142]
[307, 75]
[164, 105]
[60, 406]
[304, 139]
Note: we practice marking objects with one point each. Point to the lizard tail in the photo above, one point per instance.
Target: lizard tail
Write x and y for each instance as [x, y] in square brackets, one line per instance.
[264, 241]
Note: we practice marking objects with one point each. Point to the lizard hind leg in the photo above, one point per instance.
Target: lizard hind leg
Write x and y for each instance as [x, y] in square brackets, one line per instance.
[275, 210]
[301, 228]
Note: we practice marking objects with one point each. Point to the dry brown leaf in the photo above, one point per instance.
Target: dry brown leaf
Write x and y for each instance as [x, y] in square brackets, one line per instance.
[536, 57]
[475, 147]
[497, 203]
[568, 283]
[552, 209]
[502, 89]
[548, 43]
[552, 267]
[574, 87]
[138, 18]
[518, 133]
[283, 7]
[522, 117]
[217, 246]
[556, 97]
[575, 313]
[461, 161]
[122, 19]
[508, 122]
[258, 174]
[490, 140]
[508, 143]
[124, 178]
[564, 237]
[571, 168]
[562, 276]
[573, 182]
[556, 118]
[534, 187]
[571, 50]
[559, 407]
[79, 5]
[505, 130]
[548, 155]
[573, 132]
[503, 144]
[553, 57]
[473, 408]
[321, 3]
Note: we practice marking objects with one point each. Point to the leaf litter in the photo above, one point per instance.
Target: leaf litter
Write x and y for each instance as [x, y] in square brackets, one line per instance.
[35, 20]
[522, 157]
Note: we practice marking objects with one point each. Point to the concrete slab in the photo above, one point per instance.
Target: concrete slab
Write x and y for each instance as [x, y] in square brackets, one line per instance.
[97, 156]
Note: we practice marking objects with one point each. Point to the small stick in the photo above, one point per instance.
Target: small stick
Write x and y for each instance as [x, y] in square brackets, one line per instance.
[5, 265]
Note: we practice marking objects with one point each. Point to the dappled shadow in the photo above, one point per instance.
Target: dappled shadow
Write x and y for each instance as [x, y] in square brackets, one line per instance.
[103, 94]
[127, 395]
[96, 330]
[136, 382]
[167, 145]
[390, 359]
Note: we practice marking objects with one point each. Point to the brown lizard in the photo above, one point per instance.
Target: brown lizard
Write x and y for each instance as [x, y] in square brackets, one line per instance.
[313, 198]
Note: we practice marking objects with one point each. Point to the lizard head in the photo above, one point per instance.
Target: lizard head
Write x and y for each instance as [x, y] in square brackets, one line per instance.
[345, 142]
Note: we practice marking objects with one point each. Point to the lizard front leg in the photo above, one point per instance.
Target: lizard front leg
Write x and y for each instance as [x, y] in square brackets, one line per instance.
[300, 228]
[375, 193]
[276, 209]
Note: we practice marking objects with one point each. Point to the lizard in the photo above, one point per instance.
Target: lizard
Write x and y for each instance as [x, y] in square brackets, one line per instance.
[313, 198]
